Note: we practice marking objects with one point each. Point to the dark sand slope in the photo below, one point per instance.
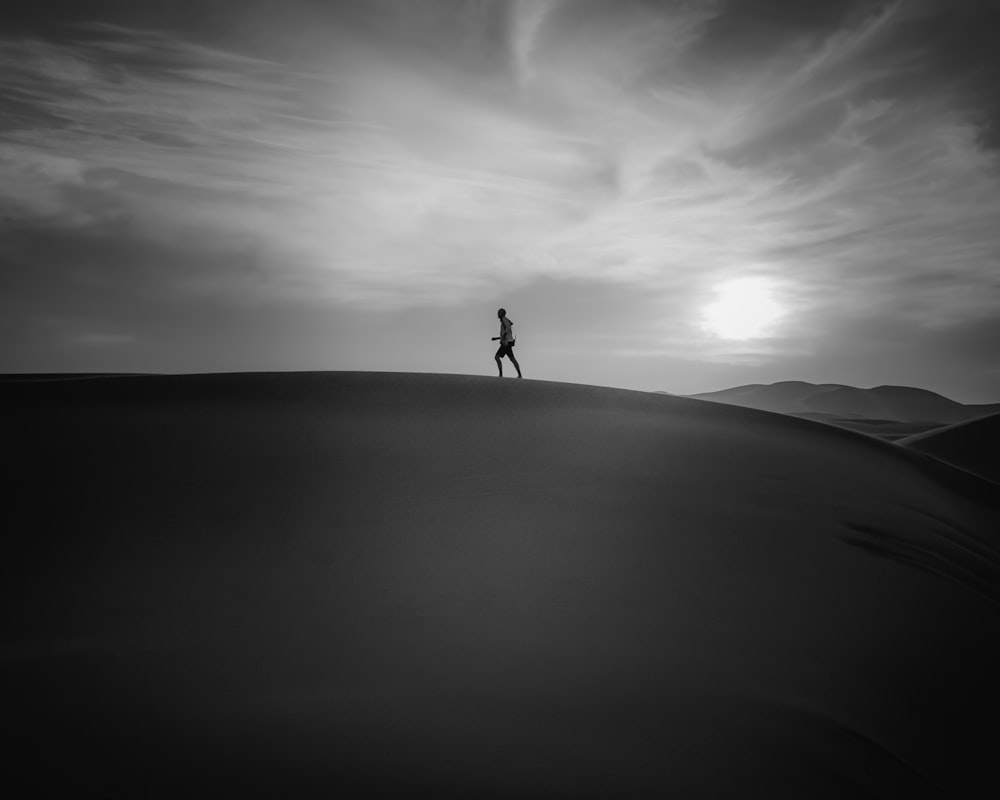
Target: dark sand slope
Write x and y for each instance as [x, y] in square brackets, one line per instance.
[293, 584]
[974, 445]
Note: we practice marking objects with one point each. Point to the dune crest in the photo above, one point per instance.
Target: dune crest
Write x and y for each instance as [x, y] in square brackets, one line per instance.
[972, 445]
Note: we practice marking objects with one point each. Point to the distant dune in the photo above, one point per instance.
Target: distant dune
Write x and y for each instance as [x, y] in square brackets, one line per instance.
[889, 412]
[892, 402]
[973, 445]
[347, 584]
[784, 397]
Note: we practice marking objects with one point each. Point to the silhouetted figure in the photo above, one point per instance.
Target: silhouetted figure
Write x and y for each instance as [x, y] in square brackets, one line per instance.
[506, 338]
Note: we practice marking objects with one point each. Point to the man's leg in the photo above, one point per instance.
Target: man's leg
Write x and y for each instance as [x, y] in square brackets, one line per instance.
[510, 355]
[497, 359]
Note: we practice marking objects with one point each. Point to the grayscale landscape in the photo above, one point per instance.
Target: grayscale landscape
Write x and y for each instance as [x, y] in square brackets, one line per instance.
[558, 399]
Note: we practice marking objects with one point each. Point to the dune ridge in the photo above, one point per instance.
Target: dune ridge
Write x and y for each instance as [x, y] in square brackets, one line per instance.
[973, 445]
[897, 403]
[307, 583]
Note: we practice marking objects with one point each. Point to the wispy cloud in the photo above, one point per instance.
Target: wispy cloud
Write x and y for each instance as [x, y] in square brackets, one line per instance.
[603, 150]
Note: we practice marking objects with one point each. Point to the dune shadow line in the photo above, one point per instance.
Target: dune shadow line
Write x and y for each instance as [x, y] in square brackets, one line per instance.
[928, 558]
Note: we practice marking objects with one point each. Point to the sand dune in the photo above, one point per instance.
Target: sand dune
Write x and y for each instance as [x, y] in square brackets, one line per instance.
[842, 403]
[23, 377]
[886, 429]
[902, 403]
[973, 445]
[307, 584]
[784, 397]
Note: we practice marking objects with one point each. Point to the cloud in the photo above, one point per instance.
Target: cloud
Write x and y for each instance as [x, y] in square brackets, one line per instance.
[527, 21]
[606, 148]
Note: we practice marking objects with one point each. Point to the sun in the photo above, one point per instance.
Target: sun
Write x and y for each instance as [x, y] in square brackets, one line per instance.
[744, 308]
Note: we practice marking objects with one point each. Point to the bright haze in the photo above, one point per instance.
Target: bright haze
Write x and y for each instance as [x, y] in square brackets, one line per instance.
[673, 196]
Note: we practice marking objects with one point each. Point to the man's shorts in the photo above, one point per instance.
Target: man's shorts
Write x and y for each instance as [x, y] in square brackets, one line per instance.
[506, 350]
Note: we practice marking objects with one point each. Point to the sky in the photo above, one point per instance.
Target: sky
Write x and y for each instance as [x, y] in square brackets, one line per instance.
[681, 195]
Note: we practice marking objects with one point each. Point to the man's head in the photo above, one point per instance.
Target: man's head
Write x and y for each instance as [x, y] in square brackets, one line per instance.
[501, 313]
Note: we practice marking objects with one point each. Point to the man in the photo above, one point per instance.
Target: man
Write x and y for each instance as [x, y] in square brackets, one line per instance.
[506, 338]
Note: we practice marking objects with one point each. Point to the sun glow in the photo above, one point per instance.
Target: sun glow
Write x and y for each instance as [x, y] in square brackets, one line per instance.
[744, 309]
